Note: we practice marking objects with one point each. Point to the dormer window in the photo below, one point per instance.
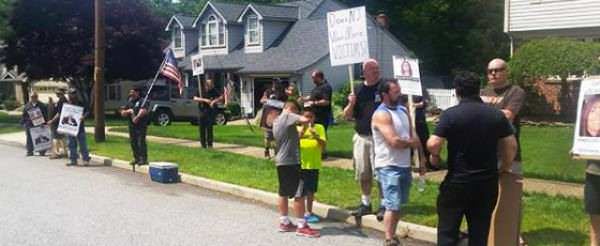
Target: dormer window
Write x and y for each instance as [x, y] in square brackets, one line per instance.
[252, 30]
[176, 36]
[213, 33]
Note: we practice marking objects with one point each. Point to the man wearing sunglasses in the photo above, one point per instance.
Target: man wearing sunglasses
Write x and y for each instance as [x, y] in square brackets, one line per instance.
[509, 99]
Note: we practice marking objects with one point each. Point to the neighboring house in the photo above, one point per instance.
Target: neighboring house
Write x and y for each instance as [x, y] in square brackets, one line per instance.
[12, 85]
[532, 19]
[46, 89]
[250, 44]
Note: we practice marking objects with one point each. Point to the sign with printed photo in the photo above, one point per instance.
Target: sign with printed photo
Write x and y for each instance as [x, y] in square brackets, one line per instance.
[197, 65]
[41, 138]
[406, 71]
[36, 116]
[348, 36]
[70, 119]
[587, 128]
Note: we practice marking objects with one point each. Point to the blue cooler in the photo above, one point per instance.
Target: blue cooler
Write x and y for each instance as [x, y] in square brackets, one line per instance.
[164, 172]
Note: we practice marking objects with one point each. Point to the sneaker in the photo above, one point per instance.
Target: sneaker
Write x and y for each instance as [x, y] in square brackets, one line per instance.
[29, 154]
[71, 164]
[133, 162]
[306, 231]
[289, 227]
[380, 214]
[391, 242]
[362, 210]
[312, 218]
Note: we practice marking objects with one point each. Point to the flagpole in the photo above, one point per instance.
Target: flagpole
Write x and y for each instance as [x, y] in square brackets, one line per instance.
[154, 81]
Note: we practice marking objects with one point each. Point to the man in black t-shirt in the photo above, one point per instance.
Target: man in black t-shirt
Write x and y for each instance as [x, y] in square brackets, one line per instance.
[361, 106]
[207, 107]
[476, 133]
[138, 125]
[320, 101]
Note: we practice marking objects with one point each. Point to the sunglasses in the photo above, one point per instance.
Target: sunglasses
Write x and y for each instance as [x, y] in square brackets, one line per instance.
[496, 70]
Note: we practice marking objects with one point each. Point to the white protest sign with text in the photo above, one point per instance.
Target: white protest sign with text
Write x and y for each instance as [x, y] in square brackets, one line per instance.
[36, 116]
[348, 37]
[407, 72]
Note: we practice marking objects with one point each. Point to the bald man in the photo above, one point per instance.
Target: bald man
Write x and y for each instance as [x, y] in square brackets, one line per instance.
[360, 108]
[509, 99]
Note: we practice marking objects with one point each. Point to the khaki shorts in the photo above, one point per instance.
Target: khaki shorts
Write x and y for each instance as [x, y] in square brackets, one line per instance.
[363, 157]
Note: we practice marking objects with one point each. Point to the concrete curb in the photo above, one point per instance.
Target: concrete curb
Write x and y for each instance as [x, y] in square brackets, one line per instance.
[405, 229]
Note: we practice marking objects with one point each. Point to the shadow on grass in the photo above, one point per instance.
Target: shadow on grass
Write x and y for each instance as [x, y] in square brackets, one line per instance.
[420, 210]
[553, 236]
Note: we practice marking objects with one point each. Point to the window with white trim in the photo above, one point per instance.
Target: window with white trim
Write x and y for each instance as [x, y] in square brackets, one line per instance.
[177, 37]
[252, 31]
[212, 33]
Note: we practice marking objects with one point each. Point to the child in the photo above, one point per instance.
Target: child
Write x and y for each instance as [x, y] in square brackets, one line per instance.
[312, 143]
[287, 160]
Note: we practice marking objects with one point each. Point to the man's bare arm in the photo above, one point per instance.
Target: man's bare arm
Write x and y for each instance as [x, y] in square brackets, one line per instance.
[383, 123]
[507, 147]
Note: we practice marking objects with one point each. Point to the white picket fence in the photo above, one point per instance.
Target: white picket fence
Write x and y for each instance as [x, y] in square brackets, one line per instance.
[442, 98]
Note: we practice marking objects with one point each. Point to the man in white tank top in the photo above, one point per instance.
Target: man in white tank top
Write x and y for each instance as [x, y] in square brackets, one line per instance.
[393, 143]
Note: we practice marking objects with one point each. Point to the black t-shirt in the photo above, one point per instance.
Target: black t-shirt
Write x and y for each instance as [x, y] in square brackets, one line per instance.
[136, 105]
[320, 92]
[367, 100]
[57, 110]
[211, 94]
[472, 130]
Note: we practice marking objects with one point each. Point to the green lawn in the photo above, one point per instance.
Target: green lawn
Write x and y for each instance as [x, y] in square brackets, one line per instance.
[545, 149]
[9, 123]
[547, 220]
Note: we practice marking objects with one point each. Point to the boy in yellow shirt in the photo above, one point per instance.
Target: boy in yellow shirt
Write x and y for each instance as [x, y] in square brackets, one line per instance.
[312, 143]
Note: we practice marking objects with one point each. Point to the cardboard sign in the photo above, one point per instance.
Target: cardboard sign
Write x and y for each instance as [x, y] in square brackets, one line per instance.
[406, 71]
[197, 64]
[70, 119]
[348, 37]
[36, 116]
[586, 143]
[41, 138]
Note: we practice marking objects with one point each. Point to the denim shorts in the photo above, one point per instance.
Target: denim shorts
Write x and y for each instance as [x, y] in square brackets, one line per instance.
[395, 183]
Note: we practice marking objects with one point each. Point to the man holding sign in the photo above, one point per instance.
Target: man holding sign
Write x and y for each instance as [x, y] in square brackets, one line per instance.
[78, 138]
[34, 115]
[361, 105]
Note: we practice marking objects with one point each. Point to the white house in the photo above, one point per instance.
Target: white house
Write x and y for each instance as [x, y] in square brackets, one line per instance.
[530, 19]
[251, 44]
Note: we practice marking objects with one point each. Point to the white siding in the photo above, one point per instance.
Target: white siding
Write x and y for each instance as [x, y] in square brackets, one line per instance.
[529, 15]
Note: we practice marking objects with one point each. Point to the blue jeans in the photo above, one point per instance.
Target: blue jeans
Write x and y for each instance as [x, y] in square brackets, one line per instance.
[395, 184]
[83, 149]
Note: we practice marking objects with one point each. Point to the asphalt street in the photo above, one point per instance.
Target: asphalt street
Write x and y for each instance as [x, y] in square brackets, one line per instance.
[43, 202]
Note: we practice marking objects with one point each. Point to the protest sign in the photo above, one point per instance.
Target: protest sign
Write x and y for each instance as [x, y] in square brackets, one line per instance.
[197, 64]
[70, 119]
[41, 138]
[586, 143]
[36, 116]
[407, 72]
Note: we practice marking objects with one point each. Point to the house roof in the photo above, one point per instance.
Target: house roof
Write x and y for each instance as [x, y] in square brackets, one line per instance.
[230, 11]
[185, 22]
[306, 42]
[276, 12]
[305, 7]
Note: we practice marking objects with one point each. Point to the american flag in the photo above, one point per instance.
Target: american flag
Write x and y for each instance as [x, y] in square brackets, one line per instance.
[170, 70]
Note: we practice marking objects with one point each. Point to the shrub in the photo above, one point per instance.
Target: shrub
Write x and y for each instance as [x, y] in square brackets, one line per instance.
[11, 104]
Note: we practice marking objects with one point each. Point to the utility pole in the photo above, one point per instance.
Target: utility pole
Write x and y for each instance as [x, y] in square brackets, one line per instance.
[100, 46]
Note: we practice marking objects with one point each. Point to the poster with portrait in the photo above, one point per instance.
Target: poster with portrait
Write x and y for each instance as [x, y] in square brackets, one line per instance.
[406, 71]
[70, 119]
[587, 127]
[197, 64]
[36, 116]
[41, 138]
[271, 110]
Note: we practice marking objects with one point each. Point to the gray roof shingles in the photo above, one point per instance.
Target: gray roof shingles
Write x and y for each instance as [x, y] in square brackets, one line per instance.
[230, 11]
[278, 12]
[186, 21]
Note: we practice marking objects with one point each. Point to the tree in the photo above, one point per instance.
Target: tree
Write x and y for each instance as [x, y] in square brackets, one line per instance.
[5, 10]
[447, 35]
[54, 39]
[549, 58]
